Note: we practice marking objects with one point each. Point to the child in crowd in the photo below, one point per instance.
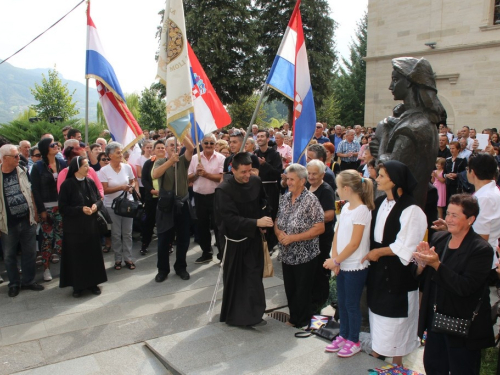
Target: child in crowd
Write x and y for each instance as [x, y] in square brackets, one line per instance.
[439, 182]
[347, 252]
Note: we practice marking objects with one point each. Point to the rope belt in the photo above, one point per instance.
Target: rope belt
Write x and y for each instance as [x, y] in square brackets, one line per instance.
[210, 311]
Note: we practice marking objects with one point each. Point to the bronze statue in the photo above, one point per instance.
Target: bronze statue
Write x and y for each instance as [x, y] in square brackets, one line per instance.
[410, 135]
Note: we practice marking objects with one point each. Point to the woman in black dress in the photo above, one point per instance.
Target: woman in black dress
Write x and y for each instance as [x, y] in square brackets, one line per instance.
[82, 265]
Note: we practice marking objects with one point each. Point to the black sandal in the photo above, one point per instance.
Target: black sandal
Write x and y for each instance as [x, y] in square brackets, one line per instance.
[106, 249]
[130, 265]
[118, 266]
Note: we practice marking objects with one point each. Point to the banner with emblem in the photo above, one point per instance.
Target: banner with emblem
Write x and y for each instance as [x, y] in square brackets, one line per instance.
[173, 69]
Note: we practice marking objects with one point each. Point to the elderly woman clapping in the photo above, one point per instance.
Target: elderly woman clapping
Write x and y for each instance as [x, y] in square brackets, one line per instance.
[299, 222]
[454, 268]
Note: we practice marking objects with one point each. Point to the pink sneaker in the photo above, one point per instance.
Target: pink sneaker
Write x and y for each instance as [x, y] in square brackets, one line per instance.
[349, 349]
[336, 345]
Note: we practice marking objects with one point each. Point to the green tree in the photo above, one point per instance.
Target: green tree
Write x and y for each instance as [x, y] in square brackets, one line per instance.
[242, 111]
[132, 101]
[349, 85]
[26, 114]
[224, 36]
[19, 130]
[329, 111]
[319, 29]
[54, 98]
[152, 108]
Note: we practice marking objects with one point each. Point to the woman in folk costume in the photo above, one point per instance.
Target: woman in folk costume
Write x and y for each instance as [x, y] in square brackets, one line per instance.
[398, 225]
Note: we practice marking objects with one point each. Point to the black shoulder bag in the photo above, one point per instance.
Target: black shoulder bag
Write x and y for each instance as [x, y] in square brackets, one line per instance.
[167, 200]
[447, 324]
[123, 207]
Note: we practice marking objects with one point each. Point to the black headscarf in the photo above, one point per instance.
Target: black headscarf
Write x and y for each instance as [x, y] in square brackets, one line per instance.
[401, 176]
[75, 165]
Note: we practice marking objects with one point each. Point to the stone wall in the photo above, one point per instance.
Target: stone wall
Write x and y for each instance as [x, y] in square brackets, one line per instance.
[466, 57]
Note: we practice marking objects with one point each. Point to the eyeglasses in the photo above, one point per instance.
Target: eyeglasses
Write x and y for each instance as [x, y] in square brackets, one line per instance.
[14, 156]
[208, 143]
[36, 156]
[105, 159]
[52, 145]
[319, 127]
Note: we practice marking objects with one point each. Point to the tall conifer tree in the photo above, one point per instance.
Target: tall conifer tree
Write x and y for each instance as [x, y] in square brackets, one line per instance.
[319, 29]
[349, 85]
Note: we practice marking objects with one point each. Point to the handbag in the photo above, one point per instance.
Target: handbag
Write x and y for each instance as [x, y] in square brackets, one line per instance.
[166, 200]
[103, 221]
[123, 207]
[268, 263]
[448, 324]
[323, 326]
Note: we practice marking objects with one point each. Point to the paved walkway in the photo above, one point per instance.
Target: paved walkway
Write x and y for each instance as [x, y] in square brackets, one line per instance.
[49, 327]
[50, 332]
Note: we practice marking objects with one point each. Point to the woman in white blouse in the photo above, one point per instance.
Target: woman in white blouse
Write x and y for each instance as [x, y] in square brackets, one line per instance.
[117, 177]
[398, 225]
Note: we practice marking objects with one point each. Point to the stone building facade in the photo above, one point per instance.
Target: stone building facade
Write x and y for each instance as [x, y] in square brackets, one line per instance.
[461, 40]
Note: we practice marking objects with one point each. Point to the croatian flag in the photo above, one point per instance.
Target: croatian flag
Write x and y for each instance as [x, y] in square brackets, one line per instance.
[290, 76]
[209, 112]
[121, 123]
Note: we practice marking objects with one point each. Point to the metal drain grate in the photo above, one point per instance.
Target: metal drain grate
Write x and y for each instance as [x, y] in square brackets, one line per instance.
[280, 316]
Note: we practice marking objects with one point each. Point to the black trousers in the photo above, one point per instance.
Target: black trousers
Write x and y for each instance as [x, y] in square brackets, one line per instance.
[349, 165]
[441, 359]
[321, 289]
[181, 229]
[299, 282]
[149, 222]
[204, 205]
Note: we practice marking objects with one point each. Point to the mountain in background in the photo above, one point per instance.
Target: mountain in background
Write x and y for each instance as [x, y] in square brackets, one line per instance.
[15, 93]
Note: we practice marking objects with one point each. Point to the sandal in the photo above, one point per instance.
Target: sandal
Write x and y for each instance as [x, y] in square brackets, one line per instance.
[118, 266]
[106, 249]
[130, 265]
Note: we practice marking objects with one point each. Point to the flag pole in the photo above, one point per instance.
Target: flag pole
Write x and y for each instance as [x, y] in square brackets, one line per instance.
[196, 138]
[254, 116]
[87, 88]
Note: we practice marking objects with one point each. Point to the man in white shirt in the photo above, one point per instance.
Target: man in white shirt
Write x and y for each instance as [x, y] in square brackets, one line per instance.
[358, 135]
[468, 139]
[255, 130]
[465, 153]
[481, 173]
[284, 150]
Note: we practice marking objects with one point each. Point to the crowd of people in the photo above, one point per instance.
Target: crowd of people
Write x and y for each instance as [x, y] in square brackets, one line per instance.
[248, 194]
